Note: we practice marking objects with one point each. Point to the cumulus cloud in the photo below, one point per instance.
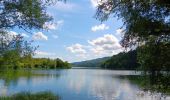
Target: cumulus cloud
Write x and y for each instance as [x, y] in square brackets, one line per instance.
[39, 36]
[95, 3]
[99, 27]
[53, 26]
[50, 26]
[13, 34]
[108, 44]
[76, 48]
[120, 33]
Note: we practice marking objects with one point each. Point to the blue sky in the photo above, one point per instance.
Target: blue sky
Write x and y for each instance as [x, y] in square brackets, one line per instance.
[75, 34]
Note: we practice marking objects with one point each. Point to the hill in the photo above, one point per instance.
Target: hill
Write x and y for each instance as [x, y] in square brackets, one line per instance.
[122, 61]
[91, 63]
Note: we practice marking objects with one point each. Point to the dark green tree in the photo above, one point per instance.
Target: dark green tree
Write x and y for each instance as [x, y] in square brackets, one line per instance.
[146, 26]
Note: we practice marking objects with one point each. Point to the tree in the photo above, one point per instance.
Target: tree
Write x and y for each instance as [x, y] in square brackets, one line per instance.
[141, 18]
[14, 50]
[147, 26]
[25, 14]
[22, 14]
[122, 61]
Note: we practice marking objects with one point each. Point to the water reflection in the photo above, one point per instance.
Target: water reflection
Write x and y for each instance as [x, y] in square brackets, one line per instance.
[76, 84]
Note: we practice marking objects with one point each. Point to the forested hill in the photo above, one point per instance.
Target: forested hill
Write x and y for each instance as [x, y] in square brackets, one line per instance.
[91, 63]
[121, 61]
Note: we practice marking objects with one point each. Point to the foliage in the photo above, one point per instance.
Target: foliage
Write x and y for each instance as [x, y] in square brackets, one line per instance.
[122, 61]
[15, 52]
[49, 63]
[147, 26]
[13, 49]
[12, 61]
[141, 18]
[155, 61]
[30, 96]
[25, 14]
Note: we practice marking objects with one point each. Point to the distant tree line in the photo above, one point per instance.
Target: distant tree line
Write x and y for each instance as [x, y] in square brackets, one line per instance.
[13, 61]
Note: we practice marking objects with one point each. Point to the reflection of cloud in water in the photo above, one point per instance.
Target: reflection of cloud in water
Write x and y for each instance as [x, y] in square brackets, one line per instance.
[77, 82]
[3, 88]
[109, 89]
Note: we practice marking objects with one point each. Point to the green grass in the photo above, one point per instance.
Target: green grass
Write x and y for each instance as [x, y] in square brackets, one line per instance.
[31, 96]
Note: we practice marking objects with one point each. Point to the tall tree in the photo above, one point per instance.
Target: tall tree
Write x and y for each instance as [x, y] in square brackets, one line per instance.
[147, 26]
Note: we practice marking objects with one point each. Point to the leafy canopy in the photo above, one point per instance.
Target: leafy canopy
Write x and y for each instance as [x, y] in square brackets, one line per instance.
[141, 18]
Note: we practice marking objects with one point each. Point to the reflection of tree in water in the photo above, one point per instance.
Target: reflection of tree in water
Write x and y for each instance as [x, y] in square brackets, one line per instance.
[13, 76]
[152, 84]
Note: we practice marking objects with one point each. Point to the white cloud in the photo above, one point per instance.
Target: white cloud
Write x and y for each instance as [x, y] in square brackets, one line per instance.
[99, 27]
[53, 26]
[95, 3]
[77, 48]
[120, 33]
[50, 26]
[39, 36]
[13, 34]
[106, 45]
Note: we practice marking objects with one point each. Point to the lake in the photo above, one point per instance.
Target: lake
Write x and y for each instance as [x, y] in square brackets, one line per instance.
[76, 84]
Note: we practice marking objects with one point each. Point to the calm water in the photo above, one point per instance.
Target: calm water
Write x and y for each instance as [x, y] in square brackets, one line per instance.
[75, 84]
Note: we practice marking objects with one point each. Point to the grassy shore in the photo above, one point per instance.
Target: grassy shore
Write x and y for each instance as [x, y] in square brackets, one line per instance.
[31, 96]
